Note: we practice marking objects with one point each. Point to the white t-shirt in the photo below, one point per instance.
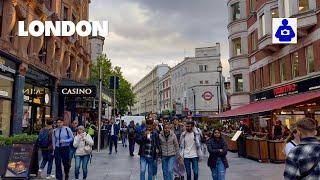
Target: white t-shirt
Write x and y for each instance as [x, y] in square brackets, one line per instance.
[288, 147]
[190, 150]
[112, 130]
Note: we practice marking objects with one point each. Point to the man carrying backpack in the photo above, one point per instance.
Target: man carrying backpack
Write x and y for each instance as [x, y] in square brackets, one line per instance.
[61, 139]
[131, 137]
[303, 160]
[45, 144]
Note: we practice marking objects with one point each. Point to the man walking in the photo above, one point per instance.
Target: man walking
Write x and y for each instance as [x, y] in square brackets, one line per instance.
[61, 138]
[131, 137]
[190, 149]
[149, 150]
[113, 130]
[303, 160]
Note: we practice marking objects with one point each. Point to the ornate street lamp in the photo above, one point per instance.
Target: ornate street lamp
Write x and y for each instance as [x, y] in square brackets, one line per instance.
[219, 70]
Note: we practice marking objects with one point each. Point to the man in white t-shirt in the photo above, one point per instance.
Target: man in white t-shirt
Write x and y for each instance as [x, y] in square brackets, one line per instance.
[190, 149]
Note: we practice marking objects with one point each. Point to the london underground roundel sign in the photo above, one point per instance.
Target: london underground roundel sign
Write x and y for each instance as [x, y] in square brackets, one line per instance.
[207, 95]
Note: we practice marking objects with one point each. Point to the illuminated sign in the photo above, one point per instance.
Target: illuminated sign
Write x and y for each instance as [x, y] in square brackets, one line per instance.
[6, 68]
[285, 89]
[80, 91]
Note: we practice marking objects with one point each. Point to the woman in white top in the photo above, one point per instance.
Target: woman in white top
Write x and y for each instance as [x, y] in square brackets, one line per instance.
[292, 141]
[83, 142]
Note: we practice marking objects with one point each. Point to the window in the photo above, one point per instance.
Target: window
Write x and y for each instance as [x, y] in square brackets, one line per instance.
[254, 39]
[236, 46]
[261, 77]
[43, 51]
[303, 5]
[295, 64]
[282, 70]
[275, 13]
[252, 4]
[206, 82]
[254, 80]
[65, 13]
[238, 83]
[262, 21]
[1, 14]
[286, 8]
[235, 11]
[272, 73]
[310, 59]
[201, 82]
[203, 68]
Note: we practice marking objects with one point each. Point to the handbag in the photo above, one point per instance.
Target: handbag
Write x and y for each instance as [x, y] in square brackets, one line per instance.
[87, 148]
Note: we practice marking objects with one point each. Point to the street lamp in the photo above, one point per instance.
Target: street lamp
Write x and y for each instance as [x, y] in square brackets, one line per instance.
[194, 100]
[145, 106]
[217, 85]
[219, 69]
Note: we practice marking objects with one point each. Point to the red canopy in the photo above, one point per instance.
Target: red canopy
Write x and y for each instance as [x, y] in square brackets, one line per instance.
[269, 105]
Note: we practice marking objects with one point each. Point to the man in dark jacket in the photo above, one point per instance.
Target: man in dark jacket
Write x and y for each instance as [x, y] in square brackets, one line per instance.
[113, 131]
[149, 150]
[131, 137]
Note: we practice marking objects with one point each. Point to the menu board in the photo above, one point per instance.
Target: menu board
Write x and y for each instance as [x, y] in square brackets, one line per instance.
[19, 163]
[236, 136]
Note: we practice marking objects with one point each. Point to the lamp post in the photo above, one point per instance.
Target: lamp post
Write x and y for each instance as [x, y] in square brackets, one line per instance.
[194, 100]
[219, 69]
[217, 85]
[145, 106]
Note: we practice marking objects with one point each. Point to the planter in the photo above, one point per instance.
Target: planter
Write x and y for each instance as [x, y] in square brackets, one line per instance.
[257, 149]
[276, 152]
[4, 159]
[232, 145]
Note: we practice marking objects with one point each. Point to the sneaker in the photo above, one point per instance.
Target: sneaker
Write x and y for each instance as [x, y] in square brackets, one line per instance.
[48, 177]
[53, 176]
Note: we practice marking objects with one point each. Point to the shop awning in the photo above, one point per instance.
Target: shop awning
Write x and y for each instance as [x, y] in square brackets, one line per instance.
[269, 105]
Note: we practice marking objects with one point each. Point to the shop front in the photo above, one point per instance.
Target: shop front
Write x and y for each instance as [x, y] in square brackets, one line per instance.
[77, 102]
[7, 75]
[37, 106]
[281, 106]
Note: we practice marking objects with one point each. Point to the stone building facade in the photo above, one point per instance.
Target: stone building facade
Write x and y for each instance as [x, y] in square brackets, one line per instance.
[96, 46]
[38, 64]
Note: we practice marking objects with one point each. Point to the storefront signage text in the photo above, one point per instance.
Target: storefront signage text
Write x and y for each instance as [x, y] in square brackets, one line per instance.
[285, 89]
[5, 68]
[88, 91]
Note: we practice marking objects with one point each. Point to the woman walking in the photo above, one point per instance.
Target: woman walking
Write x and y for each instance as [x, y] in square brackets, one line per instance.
[170, 150]
[292, 141]
[217, 161]
[83, 142]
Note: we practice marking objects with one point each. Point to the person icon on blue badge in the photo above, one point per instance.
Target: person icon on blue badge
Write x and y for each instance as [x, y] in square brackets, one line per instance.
[285, 33]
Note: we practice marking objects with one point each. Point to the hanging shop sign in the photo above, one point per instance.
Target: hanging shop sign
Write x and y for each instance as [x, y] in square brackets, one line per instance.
[78, 91]
[6, 66]
[207, 95]
[290, 89]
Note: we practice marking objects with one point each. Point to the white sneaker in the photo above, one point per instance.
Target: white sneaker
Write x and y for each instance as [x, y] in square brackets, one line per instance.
[48, 177]
[53, 176]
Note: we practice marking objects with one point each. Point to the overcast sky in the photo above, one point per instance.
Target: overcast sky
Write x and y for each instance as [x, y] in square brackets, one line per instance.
[144, 33]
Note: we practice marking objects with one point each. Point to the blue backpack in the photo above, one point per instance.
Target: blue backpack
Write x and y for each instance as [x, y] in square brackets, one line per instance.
[43, 138]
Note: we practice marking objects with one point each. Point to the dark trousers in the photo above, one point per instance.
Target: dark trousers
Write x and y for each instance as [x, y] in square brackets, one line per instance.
[131, 145]
[241, 142]
[113, 141]
[195, 167]
[62, 154]
[47, 157]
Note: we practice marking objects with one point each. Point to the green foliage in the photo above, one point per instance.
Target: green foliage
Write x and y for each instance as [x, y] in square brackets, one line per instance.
[124, 95]
[17, 138]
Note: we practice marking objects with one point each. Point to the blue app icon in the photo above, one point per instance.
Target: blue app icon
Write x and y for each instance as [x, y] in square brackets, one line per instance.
[285, 32]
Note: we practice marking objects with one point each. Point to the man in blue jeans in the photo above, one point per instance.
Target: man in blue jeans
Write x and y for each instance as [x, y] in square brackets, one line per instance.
[113, 131]
[190, 148]
[148, 151]
[61, 138]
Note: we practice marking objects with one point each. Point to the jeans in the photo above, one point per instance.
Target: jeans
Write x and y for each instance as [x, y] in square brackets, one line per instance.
[131, 145]
[47, 157]
[195, 167]
[124, 141]
[167, 167]
[84, 160]
[62, 154]
[113, 141]
[144, 162]
[219, 172]
[72, 152]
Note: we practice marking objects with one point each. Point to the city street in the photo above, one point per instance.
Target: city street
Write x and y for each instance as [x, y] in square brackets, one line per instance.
[122, 167]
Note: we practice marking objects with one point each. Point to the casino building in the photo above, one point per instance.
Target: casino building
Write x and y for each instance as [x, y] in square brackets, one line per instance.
[32, 69]
[284, 79]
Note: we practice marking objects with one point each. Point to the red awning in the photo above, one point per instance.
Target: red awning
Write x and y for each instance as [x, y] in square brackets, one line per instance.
[269, 105]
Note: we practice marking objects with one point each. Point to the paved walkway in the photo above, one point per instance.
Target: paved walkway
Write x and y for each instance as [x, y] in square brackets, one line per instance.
[123, 167]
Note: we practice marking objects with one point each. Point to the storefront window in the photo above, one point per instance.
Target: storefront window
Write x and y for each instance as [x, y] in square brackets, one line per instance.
[303, 5]
[236, 46]
[282, 70]
[310, 59]
[235, 11]
[6, 86]
[238, 83]
[295, 64]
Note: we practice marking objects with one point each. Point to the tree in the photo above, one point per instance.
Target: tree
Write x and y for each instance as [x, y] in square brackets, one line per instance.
[124, 95]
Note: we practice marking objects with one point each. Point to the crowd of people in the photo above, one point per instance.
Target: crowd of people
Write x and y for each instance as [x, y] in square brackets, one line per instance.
[178, 144]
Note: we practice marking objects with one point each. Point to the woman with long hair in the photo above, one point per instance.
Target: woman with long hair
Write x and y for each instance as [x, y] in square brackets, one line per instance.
[292, 141]
[218, 150]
